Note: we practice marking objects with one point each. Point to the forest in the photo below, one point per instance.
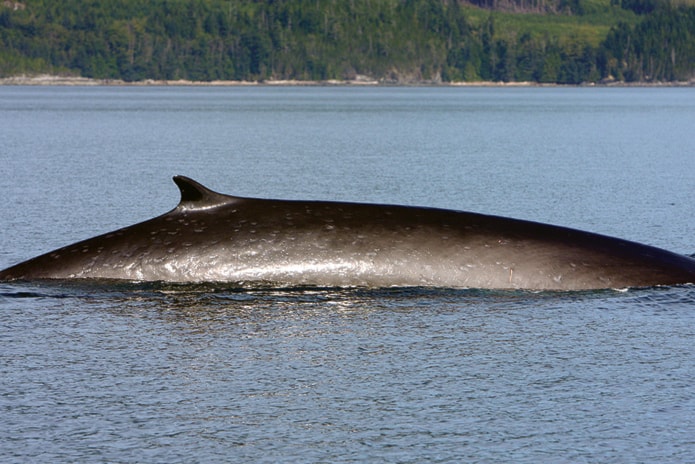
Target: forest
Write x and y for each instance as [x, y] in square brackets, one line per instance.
[392, 41]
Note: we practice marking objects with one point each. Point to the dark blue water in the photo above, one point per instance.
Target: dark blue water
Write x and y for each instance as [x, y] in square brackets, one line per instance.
[133, 373]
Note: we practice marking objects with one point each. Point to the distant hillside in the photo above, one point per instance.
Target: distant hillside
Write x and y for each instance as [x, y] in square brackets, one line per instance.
[553, 41]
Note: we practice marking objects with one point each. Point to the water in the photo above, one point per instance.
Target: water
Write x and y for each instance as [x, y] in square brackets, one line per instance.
[166, 374]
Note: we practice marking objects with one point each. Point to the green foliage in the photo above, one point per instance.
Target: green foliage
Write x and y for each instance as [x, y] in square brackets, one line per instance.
[564, 41]
[660, 48]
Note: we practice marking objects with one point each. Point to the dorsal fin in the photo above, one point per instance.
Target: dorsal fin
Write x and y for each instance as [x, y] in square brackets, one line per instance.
[196, 196]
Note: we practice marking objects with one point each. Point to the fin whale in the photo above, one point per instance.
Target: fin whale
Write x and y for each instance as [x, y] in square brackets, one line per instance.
[211, 237]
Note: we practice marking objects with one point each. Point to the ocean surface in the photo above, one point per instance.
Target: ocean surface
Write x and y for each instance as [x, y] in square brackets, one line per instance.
[162, 374]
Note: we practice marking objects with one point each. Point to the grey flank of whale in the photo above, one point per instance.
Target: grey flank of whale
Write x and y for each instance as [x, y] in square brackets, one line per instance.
[210, 237]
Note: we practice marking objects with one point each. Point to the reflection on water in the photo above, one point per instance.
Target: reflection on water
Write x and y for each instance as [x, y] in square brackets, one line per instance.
[345, 375]
[191, 299]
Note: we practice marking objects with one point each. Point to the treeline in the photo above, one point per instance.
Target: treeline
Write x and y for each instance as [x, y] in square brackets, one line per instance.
[389, 40]
[660, 48]
[529, 6]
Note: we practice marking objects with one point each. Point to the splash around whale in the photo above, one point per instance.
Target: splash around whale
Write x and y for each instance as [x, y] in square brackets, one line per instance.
[211, 237]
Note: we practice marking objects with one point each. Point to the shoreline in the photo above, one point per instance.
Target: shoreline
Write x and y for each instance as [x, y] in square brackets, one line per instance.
[52, 80]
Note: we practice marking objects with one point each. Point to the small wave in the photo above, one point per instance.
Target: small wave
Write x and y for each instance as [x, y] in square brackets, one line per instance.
[220, 294]
[664, 296]
[21, 294]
